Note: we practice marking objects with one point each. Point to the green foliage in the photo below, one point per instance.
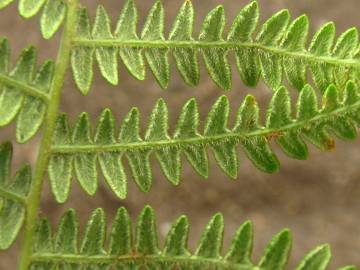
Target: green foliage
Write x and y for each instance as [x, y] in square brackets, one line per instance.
[279, 47]
[13, 192]
[76, 149]
[125, 251]
[33, 96]
[52, 16]
[22, 94]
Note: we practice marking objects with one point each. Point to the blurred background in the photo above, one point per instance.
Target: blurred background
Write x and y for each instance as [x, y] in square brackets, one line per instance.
[317, 199]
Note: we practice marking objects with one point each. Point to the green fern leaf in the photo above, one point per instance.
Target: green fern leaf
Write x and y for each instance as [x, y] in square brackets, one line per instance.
[157, 58]
[94, 236]
[22, 94]
[277, 252]
[185, 58]
[67, 234]
[341, 126]
[29, 8]
[350, 97]
[168, 157]
[307, 109]
[210, 245]
[4, 3]
[82, 58]
[276, 47]
[12, 99]
[318, 259]
[43, 243]
[321, 45]
[177, 238]
[242, 245]
[145, 251]
[43, 237]
[348, 268]
[345, 47]
[126, 30]
[241, 31]
[106, 57]
[338, 116]
[279, 47]
[215, 125]
[270, 35]
[66, 239]
[60, 165]
[138, 158]
[120, 235]
[13, 194]
[110, 162]
[146, 233]
[279, 115]
[295, 40]
[187, 128]
[216, 63]
[31, 116]
[52, 16]
[256, 148]
[85, 165]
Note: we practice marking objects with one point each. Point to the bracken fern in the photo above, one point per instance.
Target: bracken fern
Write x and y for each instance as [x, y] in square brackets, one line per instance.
[24, 95]
[32, 95]
[62, 249]
[52, 15]
[78, 148]
[277, 46]
[280, 45]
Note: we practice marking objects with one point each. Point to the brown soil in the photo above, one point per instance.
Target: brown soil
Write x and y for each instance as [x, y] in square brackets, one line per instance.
[317, 199]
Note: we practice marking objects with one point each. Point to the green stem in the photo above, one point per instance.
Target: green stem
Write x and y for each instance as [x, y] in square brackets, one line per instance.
[216, 263]
[4, 193]
[61, 66]
[26, 88]
[206, 140]
[228, 45]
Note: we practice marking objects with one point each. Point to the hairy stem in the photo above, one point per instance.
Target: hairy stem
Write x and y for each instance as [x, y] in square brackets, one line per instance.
[228, 45]
[33, 201]
[4, 193]
[204, 140]
[27, 89]
[109, 259]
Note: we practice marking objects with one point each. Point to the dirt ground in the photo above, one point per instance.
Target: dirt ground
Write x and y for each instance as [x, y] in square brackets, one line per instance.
[317, 199]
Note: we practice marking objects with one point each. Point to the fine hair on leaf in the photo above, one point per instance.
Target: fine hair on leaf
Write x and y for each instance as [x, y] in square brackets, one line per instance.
[323, 68]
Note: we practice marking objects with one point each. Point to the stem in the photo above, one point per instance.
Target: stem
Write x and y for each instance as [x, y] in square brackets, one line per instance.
[216, 263]
[26, 88]
[204, 140]
[228, 45]
[61, 66]
[12, 196]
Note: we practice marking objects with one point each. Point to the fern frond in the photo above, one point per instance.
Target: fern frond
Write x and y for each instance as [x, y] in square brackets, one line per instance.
[78, 149]
[52, 13]
[22, 92]
[124, 251]
[13, 194]
[279, 47]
